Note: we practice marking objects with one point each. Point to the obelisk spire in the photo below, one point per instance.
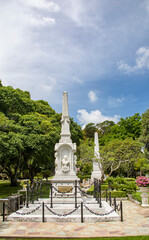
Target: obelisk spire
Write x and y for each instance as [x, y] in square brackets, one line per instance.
[96, 147]
[65, 121]
[65, 104]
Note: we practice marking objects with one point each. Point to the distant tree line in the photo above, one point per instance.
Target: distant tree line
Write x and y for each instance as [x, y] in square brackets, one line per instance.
[124, 147]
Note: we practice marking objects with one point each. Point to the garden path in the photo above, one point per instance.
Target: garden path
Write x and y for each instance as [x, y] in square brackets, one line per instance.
[136, 222]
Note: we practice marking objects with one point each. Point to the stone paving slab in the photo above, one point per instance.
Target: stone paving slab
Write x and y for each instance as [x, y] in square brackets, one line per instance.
[136, 222]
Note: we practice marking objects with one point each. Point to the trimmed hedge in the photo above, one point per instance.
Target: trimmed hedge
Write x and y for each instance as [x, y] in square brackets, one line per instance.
[117, 194]
[119, 187]
[83, 176]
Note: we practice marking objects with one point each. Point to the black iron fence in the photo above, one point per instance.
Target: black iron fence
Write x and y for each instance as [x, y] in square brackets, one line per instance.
[39, 190]
[81, 205]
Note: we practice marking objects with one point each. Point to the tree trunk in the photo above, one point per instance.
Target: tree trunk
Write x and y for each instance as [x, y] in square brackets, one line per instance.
[13, 181]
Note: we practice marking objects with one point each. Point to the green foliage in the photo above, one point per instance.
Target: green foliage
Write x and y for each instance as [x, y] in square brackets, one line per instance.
[83, 176]
[105, 127]
[137, 196]
[104, 187]
[117, 194]
[7, 190]
[85, 155]
[29, 131]
[121, 154]
[76, 132]
[130, 127]
[119, 187]
[145, 140]
[145, 129]
[89, 130]
[121, 184]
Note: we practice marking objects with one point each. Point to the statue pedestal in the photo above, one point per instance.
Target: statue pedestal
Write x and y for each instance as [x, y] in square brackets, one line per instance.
[145, 197]
[65, 188]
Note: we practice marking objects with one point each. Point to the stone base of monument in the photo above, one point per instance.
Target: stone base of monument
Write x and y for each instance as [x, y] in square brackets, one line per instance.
[65, 212]
[65, 187]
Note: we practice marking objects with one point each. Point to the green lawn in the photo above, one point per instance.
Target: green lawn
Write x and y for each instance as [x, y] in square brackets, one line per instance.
[112, 238]
[7, 190]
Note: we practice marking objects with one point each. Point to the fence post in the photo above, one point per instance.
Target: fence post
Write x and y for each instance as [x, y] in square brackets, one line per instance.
[51, 195]
[81, 212]
[75, 194]
[110, 198]
[100, 194]
[94, 189]
[115, 203]
[19, 202]
[41, 188]
[27, 195]
[106, 195]
[37, 189]
[121, 209]
[33, 191]
[24, 200]
[3, 211]
[43, 212]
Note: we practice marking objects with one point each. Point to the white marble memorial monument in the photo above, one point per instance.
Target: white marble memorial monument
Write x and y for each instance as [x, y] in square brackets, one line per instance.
[97, 167]
[65, 159]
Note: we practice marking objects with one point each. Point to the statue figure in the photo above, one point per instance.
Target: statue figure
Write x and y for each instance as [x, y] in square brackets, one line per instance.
[65, 164]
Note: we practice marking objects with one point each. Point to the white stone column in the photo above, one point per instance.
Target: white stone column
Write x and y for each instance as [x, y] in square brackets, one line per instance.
[97, 173]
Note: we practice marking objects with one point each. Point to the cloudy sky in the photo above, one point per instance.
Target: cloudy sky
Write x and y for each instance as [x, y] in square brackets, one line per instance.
[97, 50]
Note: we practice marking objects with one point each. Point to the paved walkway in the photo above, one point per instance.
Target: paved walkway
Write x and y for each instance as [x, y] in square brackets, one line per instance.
[136, 222]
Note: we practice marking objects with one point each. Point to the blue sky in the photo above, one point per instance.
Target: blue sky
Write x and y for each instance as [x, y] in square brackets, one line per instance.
[96, 50]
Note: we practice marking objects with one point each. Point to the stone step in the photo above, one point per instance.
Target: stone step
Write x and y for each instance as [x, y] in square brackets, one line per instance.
[72, 218]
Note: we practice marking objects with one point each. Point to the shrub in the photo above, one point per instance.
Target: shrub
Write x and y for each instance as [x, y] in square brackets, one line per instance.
[137, 196]
[83, 177]
[117, 194]
[104, 187]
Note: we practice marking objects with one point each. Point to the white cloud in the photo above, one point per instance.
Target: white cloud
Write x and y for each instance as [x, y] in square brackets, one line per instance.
[94, 117]
[85, 42]
[115, 102]
[74, 10]
[141, 62]
[41, 21]
[43, 4]
[92, 96]
[77, 79]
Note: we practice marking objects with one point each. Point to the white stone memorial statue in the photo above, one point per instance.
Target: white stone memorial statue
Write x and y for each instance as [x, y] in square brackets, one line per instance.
[97, 166]
[65, 159]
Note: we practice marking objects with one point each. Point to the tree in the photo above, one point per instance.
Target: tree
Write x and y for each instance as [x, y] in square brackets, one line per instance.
[144, 138]
[130, 127]
[89, 130]
[85, 155]
[11, 155]
[76, 132]
[28, 132]
[105, 127]
[121, 153]
[145, 129]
